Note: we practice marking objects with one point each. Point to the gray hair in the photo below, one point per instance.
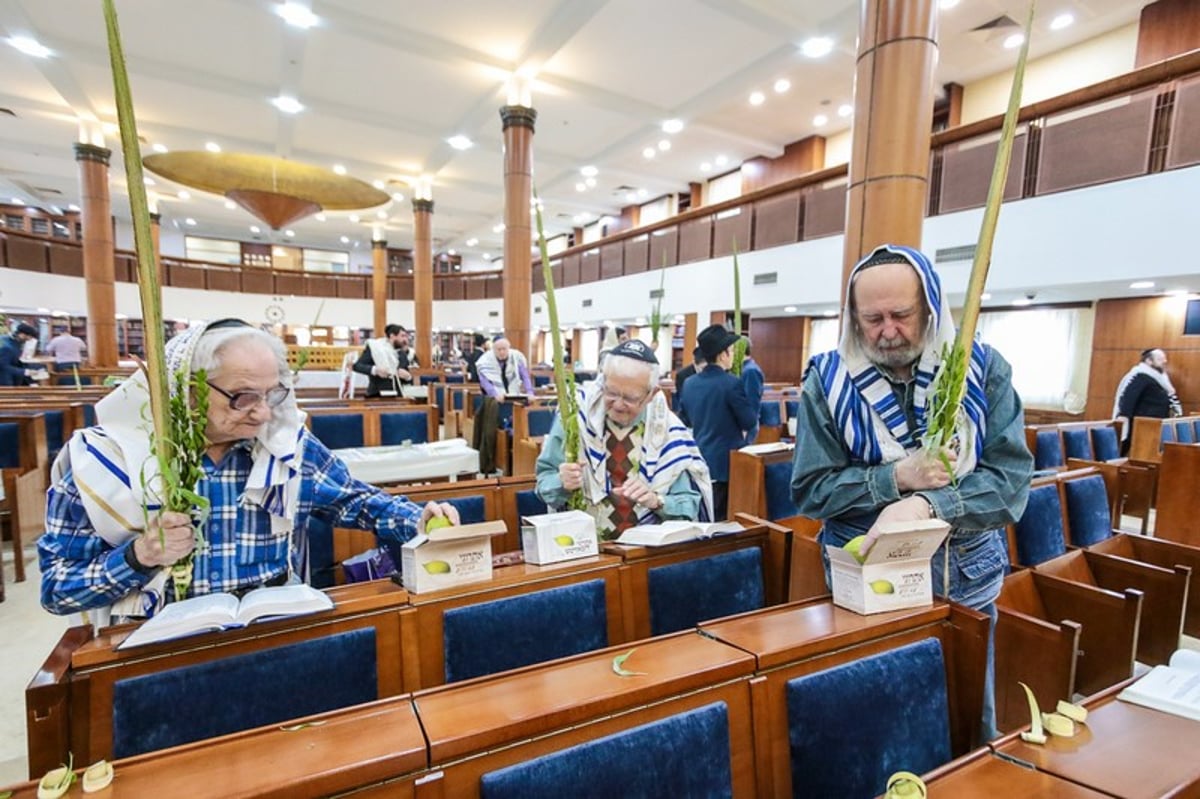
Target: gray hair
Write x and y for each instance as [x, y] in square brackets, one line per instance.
[211, 348]
[624, 366]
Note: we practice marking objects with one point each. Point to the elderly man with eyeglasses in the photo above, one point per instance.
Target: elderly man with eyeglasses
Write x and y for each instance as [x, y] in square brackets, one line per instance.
[637, 462]
[107, 548]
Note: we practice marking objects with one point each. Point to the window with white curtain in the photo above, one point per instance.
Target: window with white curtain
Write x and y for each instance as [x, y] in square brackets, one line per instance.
[822, 335]
[589, 349]
[1049, 349]
[724, 187]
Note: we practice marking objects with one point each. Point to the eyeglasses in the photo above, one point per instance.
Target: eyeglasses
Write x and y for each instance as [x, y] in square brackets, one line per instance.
[614, 397]
[245, 400]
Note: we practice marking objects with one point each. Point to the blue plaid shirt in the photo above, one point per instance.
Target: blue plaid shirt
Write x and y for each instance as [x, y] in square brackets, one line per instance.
[80, 570]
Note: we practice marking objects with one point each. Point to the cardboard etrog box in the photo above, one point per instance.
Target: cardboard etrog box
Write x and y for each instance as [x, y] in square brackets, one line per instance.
[554, 537]
[449, 556]
[896, 572]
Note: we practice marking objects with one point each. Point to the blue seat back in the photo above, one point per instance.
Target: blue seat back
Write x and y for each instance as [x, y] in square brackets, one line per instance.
[456, 378]
[506, 411]
[684, 594]
[10, 445]
[89, 415]
[490, 637]
[777, 479]
[770, 413]
[401, 426]
[1166, 433]
[266, 686]
[320, 551]
[1185, 433]
[69, 380]
[425, 380]
[1040, 533]
[541, 380]
[541, 420]
[854, 725]
[1196, 429]
[793, 408]
[1105, 444]
[685, 755]
[1077, 443]
[471, 510]
[1088, 510]
[1049, 453]
[54, 432]
[530, 504]
[338, 430]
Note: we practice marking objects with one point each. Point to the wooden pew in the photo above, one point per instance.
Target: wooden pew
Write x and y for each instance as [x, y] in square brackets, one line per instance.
[983, 774]
[1149, 435]
[24, 475]
[1178, 490]
[1168, 555]
[69, 704]
[531, 424]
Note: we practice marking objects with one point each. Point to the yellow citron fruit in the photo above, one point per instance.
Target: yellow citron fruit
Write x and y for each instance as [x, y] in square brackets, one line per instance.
[437, 567]
[852, 547]
[882, 587]
[437, 523]
[564, 540]
[905, 785]
[97, 776]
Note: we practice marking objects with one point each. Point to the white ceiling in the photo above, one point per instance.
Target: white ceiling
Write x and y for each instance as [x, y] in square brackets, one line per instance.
[385, 83]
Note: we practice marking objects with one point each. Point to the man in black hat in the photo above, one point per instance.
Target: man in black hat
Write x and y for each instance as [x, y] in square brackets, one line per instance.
[683, 374]
[471, 356]
[637, 462]
[14, 371]
[715, 405]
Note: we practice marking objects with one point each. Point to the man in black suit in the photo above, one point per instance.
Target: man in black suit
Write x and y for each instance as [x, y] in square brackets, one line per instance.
[471, 357]
[683, 374]
[386, 361]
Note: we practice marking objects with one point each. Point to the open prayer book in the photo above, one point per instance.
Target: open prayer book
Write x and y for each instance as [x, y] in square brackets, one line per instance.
[224, 611]
[675, 532]
[1174, 688]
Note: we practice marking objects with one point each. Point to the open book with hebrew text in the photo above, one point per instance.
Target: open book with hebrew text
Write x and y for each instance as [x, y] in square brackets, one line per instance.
[1174, 688]
[675, 532]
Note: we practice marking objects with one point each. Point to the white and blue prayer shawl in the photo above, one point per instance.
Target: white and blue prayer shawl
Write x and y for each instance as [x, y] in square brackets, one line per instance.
[860, 398]
[103, 461]
[666, 452]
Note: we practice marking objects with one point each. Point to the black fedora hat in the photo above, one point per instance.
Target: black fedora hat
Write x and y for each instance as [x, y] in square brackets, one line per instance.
[715, 339]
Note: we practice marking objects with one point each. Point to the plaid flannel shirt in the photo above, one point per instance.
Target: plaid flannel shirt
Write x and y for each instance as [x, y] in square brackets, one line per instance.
[80, 570]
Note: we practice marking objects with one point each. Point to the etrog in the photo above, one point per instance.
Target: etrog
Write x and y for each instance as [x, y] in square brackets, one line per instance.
[437, 567]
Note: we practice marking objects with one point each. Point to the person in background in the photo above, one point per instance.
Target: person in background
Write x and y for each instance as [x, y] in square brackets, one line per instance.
[753, 380]
[386, 361]
[265, 475]
[714, 404]
[863, 411]
[13, 370]
[683, 374]
[67, 350]
[638, 462]
[471, 357]
[622, 335]
[1145, 390]
[503, 370]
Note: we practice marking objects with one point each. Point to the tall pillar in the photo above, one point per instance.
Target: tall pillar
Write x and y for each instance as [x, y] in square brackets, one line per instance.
[98, 268]
[423, 279]
[518, 122]
[156, 241]
[379, 278]
[893, 116]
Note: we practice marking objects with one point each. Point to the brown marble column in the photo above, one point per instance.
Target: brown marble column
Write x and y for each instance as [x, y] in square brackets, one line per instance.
[98, 269]
[379, 284]
[518, 123]
[423, 279]
[893, 116]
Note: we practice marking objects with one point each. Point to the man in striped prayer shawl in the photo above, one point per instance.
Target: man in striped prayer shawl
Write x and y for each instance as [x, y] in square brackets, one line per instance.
[859, 461]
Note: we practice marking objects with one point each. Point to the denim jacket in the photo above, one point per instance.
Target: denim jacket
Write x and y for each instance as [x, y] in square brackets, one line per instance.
[849, 495]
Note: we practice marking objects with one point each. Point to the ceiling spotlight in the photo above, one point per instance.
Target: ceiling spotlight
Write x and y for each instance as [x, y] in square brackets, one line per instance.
[820, 120]
[183, 195]
[289, 233]
[288, 105]
[672, 126]
[946, 5]
[159, 148]
[845, 110]
[149, 181]
[720, 160]
[230, 204]
[757, 98]
[460, 142]
[297, 15]
[319, 217]
[354, 218]
[255, 229]
[1021, 302]
[498, 228]
[338, 169]
[817, 47]
[73, 207]
[1014, 40]
[212, 147]
[591, 183]
[344, 239]
[649, 152]
[1061, 21]
[706, 167]
[189, 222]
[29, 46]
[581, 186]
[790, 309]
[642, 192]
[377, 184]
[381, 214]
[398, 197]
[664, 145]
[471, 242]
[1142, 284]
[631, 196]
[782, 85]
[589, 171]
[985, 296]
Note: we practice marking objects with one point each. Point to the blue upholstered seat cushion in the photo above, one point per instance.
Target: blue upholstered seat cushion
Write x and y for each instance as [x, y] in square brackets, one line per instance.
[1105, 444]
[685, 756]
[687, 593]
[541, 380]
[489, 637]
[852, 726]
[89, 415]
[1077, 443]
[541, 420]
[320, 551]
[1048, 450]
[243, 691]
[777, 480]
[456, 379]
[530, 504]
[793, 408]
[10, 446]
[54, 432]
[769, 413]
[396, 428]
[425, 380]
[1185, 433]
[1040, 533]
[1087, 510]
[1166, 433]
[338, 430]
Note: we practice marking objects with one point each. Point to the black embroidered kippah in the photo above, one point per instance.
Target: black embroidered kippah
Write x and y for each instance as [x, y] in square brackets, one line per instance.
[638, 350]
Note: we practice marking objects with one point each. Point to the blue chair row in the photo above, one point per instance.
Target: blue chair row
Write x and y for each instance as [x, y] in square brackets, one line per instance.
[339, 428]
[1052, 445]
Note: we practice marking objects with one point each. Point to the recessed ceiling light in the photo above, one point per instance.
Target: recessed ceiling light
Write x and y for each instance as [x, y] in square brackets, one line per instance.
[149, 181]
[591, 183]
[286, 104]
[757, 98]
[580, 186]
[353, 218]
[319, 217]
[398, 197]
[72, 207]
[381, 214]
[471, 242]
[460, 142]
[159, 148]
[589, 171]
[212, 147]
[845, 110]
[985, 296]
[706, 167]
[817, 46]
[379, 184]
[297, 15]
[790, 309]
[29, 46]
[344, 239]
[642, 193]
[820, 120]
[183, 195]
[498, 228]
[946, 5]
[1061, 21]
[649, 152]
[1022, 301]
[289, 233]
[672, 126]
[189, 222]
[230, 204]
[451, 252]
[255, 229]
[720, 160]
[664, 145]
[1142, 284]
[782, 85]
[829, 312]
[338, 169]
[1014, 40]
[631, 196]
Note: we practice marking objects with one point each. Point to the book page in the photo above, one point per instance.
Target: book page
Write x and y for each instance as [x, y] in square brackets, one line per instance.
[669, 532]
[282, 600]
[186, 617]
[721, 528]
[1169, 689]
[1188, 659]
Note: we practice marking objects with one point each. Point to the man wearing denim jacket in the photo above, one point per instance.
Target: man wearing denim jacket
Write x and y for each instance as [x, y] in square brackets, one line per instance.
[859, 462]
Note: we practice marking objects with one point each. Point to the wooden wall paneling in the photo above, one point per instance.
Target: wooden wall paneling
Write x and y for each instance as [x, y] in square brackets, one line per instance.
[1184, 147]
[637, 255]
[402, 289]
[570, 270]
[227, 279]
[730, 227]
[66, 260]
[124, 268]
[255, 281]
[589, 266]
[695, 240]
[664, 247]
[612, 260]
[493, 286]
[186, 276]
[1167, 28]
[475, 289]
[27, 253]
[452, 289]
[320, 285]
[799, 158]
[778, 345]
[539, 278]
[777, 221]
[967, 172]
[825, 210]
[3, 249]
[1110, 143]
[286, 284]
[352, 286]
